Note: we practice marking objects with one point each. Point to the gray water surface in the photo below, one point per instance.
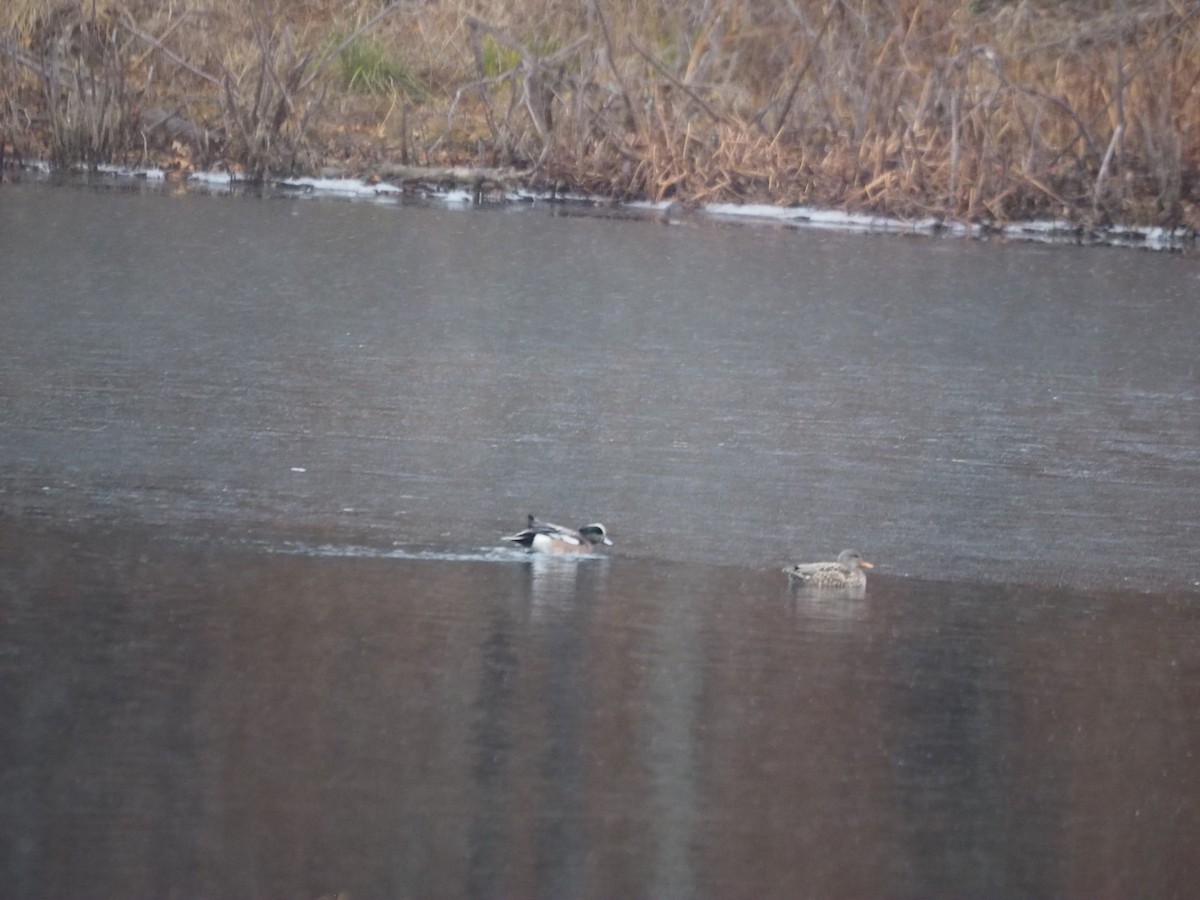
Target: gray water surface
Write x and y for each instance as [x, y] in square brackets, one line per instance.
[259, 638]
[953, 409]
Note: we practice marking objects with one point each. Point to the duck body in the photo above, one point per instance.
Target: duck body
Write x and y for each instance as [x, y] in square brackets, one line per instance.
[846, 572]
[546, 537]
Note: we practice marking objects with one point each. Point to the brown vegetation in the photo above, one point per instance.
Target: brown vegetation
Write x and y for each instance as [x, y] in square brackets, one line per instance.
[985, 110]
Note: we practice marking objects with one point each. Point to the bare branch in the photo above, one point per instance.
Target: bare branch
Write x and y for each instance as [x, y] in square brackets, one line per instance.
[645, 54]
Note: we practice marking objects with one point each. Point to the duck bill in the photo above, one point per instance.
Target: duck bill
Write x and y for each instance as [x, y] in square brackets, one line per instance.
[865, 565]
[607, 541]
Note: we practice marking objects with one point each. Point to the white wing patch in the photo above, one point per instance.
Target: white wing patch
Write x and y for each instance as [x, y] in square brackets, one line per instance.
[547, 541]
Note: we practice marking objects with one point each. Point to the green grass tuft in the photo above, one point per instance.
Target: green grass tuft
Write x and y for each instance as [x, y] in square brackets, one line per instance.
[367, 67]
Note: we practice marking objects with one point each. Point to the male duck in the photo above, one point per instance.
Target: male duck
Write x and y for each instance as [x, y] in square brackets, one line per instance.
[547, 537]
[847, 572]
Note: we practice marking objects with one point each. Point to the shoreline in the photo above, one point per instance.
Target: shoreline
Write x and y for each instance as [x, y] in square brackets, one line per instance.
[467, 186]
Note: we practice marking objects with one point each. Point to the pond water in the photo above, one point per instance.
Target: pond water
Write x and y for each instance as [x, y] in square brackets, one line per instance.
[259, 637]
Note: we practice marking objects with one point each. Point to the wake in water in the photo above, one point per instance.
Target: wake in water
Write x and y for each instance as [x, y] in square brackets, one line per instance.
[478, 554]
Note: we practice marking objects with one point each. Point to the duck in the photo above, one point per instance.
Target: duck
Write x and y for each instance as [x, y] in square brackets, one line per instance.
[847, 572]
[546, 537]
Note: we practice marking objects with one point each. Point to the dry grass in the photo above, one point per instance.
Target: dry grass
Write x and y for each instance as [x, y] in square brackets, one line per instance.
[993, 110]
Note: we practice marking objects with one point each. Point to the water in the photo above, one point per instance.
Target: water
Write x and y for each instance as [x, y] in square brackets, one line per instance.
[259, 637]
[712, 394]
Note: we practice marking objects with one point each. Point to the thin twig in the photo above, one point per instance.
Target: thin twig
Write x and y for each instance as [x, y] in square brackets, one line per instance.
[645, 54]
[610, 56]
[799, 76]
[166, 51]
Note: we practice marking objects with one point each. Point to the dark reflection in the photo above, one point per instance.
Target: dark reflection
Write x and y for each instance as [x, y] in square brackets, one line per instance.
[549, 606]
[674, 737]
[1020, 744]
[952, 755]
[199, 719]
[564, 689]
[492, 743]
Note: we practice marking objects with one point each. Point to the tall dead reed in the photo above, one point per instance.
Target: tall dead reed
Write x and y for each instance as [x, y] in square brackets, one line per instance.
[241, 80]
[990, 110]
[71, 61]
[915, 107]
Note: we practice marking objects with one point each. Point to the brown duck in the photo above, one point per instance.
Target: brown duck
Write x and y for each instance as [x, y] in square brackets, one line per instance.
[847, 572]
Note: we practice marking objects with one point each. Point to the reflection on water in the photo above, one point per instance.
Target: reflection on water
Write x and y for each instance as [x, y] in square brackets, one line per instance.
[556, 583]
[214, 720]
[835, 610]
